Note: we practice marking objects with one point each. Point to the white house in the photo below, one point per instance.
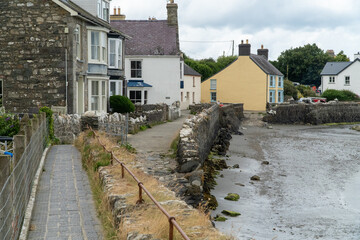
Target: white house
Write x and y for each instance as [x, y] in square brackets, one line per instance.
[342, 75]
[190, 88]
[153, 63]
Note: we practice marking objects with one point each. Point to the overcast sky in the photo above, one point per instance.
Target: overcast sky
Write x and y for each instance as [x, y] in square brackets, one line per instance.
[277, 24]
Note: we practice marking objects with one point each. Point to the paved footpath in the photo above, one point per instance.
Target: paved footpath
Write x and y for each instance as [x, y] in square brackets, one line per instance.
[64, 207]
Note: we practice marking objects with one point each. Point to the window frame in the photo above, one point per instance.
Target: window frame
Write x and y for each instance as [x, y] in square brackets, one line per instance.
[331, 79]
[280, 82]
[281, 96]
[77, 38]
[272, 81]
[116, 54]
[272, 96]
[97, 42]
[1, 88]
[100, 95]
[347, 81]
[135, 100]
[136, 69]
[213, 84]
[212, 94]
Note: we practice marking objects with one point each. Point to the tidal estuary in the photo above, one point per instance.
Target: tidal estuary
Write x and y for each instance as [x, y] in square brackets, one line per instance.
[309, 190]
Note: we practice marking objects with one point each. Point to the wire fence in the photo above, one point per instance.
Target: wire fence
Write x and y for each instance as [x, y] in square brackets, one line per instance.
[15, 192]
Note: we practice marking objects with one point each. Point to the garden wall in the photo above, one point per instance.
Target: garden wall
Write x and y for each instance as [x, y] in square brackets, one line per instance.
[315, 113]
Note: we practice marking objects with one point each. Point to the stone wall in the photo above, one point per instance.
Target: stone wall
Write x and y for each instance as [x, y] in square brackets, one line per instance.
[66, 127]
[314, 113]
[35, 40]
[197, 108]
[199, 133]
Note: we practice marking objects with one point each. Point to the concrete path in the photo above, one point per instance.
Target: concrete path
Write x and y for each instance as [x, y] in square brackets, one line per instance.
[158, 138]
[64, 207]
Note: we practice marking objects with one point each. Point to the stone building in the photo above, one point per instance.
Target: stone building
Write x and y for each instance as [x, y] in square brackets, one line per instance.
[54, 53]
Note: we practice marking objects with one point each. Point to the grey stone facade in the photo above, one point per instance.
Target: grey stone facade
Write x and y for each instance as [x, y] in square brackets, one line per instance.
[39, 64]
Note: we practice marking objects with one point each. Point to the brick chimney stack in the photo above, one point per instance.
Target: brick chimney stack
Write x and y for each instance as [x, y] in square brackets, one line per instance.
[244, 48]
[263, 52]
[117, 16]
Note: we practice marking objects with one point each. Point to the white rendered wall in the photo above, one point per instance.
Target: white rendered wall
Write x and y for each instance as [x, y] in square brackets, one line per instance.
[163, 73]
[88, 5]
[190, 88]
[353, 71]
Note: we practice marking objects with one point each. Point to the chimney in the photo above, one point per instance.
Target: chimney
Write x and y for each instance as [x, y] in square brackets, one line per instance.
[172, 11]
[117, 16]
[263, 52]
[244, 49]
[357, 56]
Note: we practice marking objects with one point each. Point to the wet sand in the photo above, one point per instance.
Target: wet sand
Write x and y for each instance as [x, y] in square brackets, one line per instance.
[310, 189]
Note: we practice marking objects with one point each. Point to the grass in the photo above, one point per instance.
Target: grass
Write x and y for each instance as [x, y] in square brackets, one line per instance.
[140, 218]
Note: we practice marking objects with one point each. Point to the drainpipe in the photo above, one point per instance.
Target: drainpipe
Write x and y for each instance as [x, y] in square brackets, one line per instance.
[267, 89]
[66, 79]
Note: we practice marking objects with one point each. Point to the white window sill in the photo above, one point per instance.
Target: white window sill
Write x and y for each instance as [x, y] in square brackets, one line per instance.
[331, 83]
[347, 85]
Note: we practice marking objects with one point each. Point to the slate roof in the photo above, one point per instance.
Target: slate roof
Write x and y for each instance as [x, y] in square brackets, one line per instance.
[148, 37]
[265, 65]
[137, 83]
[334, 68]
[189, 71]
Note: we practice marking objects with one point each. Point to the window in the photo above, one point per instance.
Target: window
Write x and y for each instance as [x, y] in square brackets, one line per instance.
[77, 37]
[98, 97]
[145, 97]
[271, 96]
[193, 98]
[115, 87]
[188, 96]
[182, 96]
[272, 81]
[280, 96]
[331, 79]
[136, 69]
[181, 70]
[213, 84]
[280, 82]
[95, 45]
[181, 84]
[103, 10]
[95, 95]
[347, 80]
[115, 53]
[213, 97]
[135, 96]
[193, 81]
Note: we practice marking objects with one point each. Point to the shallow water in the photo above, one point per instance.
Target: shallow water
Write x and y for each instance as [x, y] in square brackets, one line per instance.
[310, 190]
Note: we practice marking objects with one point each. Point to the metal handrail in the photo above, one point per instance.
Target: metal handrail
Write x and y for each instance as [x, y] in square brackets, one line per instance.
[172, 220]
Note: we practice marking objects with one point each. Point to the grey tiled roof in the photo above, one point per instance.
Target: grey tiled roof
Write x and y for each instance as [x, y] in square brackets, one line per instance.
[153, 37]
[265, 65]
[334, 68]
[189, 71]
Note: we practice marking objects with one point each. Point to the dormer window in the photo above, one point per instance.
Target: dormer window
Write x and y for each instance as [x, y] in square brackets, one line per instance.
[103, 9]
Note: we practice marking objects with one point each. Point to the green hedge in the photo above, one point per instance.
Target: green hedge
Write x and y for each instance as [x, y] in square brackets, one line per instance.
[9, 125]
[121, 104]
[341, 95]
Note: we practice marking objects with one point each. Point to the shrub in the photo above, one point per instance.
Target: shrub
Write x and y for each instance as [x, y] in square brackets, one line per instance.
[306, 91]
[49, 114]
[121, 104]
[290, 89]
[341, 95]
[9, 125]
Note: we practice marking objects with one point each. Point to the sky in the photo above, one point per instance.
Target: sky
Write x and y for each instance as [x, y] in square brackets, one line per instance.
[207, 28]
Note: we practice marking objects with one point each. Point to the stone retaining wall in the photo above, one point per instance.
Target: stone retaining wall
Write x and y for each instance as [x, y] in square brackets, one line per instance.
[315, 113]
[199, 133]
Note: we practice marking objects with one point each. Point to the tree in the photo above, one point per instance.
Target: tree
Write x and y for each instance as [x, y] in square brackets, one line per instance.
[303, 64]
[290, 89]
[121, 104]
[208, 67]
[341, 57]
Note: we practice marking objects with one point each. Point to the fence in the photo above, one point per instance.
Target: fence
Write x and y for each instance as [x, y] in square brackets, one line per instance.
[172, 221]
[17, 174]
[6, 144]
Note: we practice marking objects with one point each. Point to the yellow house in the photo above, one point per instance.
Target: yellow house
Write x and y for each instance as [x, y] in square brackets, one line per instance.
[251, 79]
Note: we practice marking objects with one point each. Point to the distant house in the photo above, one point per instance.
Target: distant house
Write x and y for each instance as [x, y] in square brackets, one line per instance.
[342, 75]
[190, 87]
[251, 79]
[59, 54]
[153, 63]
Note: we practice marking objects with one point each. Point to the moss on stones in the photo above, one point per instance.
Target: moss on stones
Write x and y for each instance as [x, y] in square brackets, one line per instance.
[232, 197]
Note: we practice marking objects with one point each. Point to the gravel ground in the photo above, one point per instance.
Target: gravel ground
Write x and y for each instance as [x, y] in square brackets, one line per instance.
[309, 190]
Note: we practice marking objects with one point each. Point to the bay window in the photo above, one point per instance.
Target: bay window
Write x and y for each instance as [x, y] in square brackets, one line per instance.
[116, 87]
[103, 9]
[98, 96]
[98, 47]
[95, 45]
[115, 53]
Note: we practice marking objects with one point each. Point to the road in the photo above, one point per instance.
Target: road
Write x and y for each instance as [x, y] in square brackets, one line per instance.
[310, 189]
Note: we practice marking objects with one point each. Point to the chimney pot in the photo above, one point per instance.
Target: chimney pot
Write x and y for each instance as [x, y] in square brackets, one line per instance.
[247, 41]
[119, 11]
[262, 46]
[242, 41]
[114, 10]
